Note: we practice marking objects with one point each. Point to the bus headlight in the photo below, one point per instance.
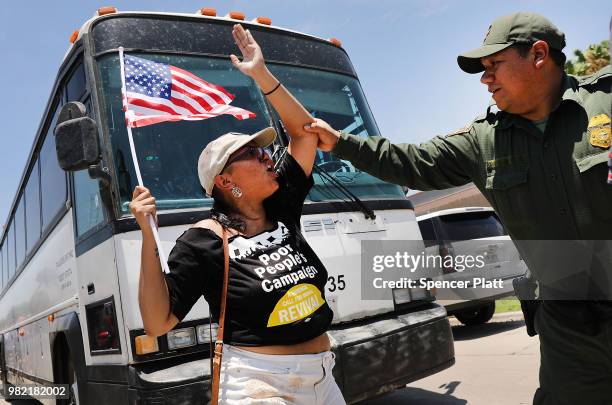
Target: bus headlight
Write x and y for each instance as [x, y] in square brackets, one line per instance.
[405, 295]
[419, 294]
[401, 295]
[204, 333]
[181, 338]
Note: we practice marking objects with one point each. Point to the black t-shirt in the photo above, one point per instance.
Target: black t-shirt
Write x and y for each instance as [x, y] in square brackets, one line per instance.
[276, 290]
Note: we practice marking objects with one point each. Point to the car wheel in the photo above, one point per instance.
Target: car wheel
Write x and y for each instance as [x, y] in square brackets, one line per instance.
[477, 315]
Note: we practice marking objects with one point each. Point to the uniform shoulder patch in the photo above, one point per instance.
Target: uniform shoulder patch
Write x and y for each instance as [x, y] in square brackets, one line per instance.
[460, 131]
[483, 117]
[469, 126]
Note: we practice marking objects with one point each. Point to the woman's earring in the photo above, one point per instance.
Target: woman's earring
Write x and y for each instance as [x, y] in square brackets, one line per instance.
[236, 192]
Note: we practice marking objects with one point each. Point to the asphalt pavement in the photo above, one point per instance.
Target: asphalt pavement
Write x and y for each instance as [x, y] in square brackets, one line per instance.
[496, 363]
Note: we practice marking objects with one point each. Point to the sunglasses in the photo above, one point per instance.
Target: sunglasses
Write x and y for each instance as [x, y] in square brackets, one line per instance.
[249, 153]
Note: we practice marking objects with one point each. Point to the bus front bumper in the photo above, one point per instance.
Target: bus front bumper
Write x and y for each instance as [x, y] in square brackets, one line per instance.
[373, 357]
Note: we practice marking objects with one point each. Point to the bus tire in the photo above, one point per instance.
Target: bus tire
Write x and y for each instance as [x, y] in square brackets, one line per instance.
[477, 315]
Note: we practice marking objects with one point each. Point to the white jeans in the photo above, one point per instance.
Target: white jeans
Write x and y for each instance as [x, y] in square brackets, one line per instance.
[253, 378]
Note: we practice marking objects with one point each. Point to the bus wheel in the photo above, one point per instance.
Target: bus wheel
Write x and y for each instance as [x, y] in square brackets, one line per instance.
[478, 315]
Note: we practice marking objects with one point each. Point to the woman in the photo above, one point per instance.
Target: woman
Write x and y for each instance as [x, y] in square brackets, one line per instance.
[276, 347]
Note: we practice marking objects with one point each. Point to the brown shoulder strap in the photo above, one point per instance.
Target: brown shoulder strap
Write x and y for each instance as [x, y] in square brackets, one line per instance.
[219, 344]
[224, 292]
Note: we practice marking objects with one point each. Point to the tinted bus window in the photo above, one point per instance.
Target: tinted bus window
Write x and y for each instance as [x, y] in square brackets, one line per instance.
[5, 262]
[2, 283]
[470, 225]
[32, 195]
[88, 203]
[75, 88]
[52, 178]
[427, 232]
[10, 245]
[20, 237]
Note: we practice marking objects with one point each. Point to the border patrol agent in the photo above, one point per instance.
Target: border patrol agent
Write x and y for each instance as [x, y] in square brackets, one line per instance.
[540, 159]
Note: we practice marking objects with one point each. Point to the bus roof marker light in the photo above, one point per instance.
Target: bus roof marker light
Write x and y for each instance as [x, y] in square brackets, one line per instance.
[51, 317]
[336, 42]
[237, 15]
[106, 10]
[263, 20]
[74, 36]
[208, 12]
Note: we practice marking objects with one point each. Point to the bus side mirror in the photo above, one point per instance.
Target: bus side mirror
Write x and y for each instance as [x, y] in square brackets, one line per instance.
[76, 138]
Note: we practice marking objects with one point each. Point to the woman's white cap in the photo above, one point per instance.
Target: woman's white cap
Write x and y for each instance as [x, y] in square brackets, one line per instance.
[214, 157]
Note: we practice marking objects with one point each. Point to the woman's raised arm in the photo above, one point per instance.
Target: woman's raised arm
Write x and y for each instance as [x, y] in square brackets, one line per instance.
[303, 145]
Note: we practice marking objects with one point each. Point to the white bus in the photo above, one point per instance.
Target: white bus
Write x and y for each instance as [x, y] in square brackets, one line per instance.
[70, 251]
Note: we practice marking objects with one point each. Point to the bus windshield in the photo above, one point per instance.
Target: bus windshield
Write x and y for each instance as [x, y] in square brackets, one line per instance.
[168, 152]
[339, 100]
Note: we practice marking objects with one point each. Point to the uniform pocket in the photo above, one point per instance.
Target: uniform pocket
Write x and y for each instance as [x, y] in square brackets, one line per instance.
[504, 180]
[508, 191]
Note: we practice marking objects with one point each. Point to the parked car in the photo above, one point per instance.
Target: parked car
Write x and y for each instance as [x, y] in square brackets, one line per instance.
[474, 231]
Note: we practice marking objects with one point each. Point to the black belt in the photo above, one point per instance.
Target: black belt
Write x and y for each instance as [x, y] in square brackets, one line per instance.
[581, 311]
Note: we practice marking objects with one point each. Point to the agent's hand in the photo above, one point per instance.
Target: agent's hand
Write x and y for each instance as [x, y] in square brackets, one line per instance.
[142, 204]
[328, 137]
[253, 63]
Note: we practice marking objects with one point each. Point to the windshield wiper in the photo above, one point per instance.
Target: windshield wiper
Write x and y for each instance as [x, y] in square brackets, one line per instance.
[369, 213]
[279, 154]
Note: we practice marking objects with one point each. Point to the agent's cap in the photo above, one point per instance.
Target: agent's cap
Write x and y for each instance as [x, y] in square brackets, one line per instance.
[525, 28]
[215, 155]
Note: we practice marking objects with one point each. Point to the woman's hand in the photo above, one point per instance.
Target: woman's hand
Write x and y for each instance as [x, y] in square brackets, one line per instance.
[142, 204]
[253, 63]
[328, 137]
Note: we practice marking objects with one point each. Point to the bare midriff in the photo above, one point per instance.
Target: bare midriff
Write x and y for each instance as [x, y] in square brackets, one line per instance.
[317, 345]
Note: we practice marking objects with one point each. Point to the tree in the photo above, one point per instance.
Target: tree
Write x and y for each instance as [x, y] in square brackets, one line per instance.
[590, 61]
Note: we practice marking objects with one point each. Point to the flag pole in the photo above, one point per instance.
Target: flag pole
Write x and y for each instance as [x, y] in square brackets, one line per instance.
[152, 224]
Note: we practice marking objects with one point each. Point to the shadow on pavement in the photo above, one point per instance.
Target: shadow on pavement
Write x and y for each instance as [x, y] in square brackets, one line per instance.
[463, 332]
[417, 396]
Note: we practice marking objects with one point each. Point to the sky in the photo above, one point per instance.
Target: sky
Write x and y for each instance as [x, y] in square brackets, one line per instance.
[403, 51]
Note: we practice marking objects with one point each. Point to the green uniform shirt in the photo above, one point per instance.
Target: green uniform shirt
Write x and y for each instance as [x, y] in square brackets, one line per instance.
[547, 185]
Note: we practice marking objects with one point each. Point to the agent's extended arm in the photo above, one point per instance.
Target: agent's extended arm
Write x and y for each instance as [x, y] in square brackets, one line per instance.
[440, 163]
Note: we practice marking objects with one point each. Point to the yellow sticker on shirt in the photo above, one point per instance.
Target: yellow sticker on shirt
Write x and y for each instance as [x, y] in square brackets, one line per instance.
[298, 303]
[600, 133]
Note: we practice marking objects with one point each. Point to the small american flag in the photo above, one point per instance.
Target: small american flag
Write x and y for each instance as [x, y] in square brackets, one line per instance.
[158, 92]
